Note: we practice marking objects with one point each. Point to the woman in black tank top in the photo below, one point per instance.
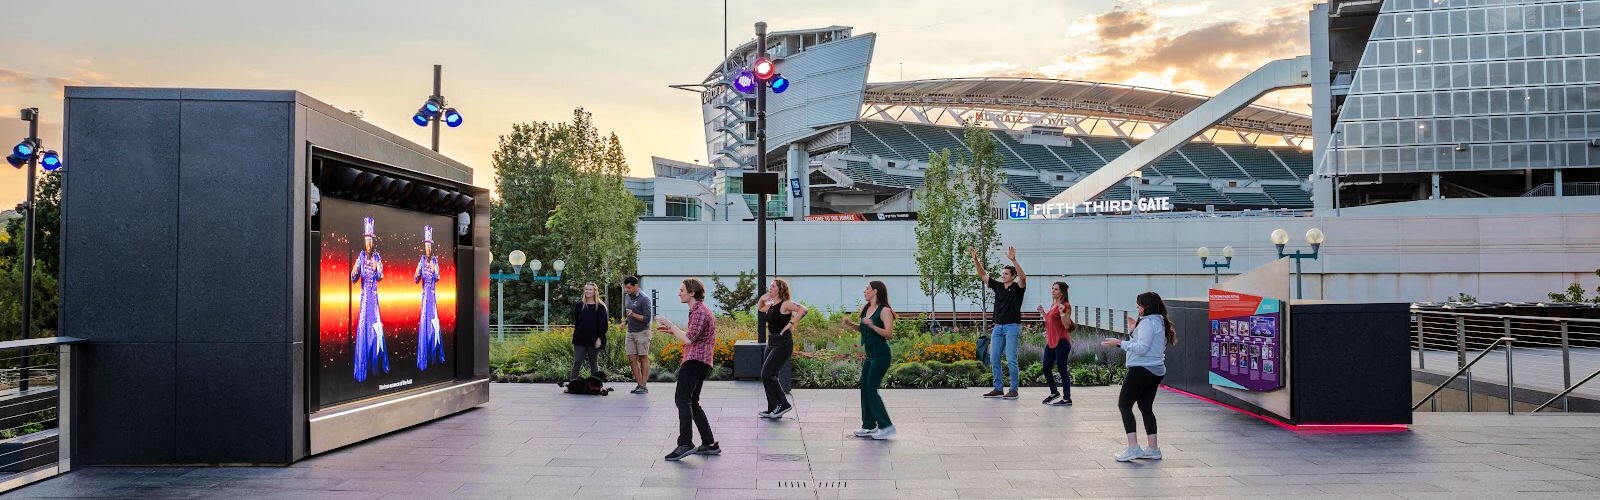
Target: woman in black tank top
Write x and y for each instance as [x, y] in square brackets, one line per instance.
[781, 314]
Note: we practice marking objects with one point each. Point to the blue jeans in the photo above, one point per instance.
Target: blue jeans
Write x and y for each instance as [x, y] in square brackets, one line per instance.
[1004, 339]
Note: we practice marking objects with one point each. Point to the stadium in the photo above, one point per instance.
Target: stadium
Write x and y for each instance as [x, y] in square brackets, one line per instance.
[1440, 153]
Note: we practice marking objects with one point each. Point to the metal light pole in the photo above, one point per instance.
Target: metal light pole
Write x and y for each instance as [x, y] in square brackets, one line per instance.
[1216, 267]
[30, 115]
[438, 70]
[1315, 237]
[537, 266]
[761, 167]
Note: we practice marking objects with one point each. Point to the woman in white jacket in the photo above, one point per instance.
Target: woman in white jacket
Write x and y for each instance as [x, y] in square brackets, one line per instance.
[1147, 365]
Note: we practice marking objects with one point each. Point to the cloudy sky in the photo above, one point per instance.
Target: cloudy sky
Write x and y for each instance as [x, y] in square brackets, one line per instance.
[510, 61]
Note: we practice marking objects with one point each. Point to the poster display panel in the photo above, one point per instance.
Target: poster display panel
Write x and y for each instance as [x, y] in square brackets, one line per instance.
[1246, 341]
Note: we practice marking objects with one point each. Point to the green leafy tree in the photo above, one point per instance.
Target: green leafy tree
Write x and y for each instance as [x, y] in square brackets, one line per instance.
[741, 297]
[1575, 293]
[559, 195]
[938, 255]
[981, 175]
[46, 263]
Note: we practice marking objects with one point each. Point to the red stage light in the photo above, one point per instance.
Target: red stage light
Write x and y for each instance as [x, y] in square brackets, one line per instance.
[764, 69]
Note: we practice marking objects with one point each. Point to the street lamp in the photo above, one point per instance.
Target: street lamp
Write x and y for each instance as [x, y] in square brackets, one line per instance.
[536, 266]
[1216, 267]
[27, 154]
[434, 111]
[761, 76]
[516, 259]
[1314, 237]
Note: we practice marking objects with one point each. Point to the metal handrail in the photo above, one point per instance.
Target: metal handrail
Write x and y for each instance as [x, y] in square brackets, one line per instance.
[1509, 381]
[34, 447]
[1565, 392]
[1505, 316]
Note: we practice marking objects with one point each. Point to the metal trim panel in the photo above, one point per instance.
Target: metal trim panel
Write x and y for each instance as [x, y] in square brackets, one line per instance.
[340, 426]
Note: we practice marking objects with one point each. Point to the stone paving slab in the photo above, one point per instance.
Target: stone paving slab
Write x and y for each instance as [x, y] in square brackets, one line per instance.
[531, 441]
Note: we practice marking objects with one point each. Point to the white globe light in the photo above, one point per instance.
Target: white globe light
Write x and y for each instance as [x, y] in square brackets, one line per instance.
[1315, 236]
[517, 258]
[1227, 252]
[535, 266]
[1280, 237]
[560, 265]
[1202, 252]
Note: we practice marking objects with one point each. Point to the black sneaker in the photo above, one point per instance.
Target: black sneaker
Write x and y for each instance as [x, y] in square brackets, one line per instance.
[993, 394]
[680, 452]
[1062, 402]
[778, 413]
[708, 449]
[1051, 397]
[1010, 395]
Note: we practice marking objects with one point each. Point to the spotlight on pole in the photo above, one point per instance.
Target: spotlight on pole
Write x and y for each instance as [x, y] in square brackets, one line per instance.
[22, 152]
[452, 118]
[421, 119]
[764, 69]
[432, 107]
[50, 161]
[779, 84]
[744, 82]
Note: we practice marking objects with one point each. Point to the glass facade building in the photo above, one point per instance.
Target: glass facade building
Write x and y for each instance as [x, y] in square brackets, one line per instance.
[1474, 85]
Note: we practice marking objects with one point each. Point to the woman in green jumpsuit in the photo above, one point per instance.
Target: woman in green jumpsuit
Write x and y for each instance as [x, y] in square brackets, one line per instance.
[877, 325]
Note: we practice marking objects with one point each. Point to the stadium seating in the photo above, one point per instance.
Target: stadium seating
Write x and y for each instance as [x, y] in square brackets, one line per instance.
[1193, 165]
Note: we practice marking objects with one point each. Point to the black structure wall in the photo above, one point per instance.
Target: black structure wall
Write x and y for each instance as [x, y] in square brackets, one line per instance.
[1348, 362]
[183, 229]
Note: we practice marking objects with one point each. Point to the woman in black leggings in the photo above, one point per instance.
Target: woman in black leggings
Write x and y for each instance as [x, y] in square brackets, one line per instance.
[782, 314]
[1146, 360]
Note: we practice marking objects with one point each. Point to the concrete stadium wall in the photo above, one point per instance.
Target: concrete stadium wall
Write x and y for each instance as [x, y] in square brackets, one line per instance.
[1108, 261]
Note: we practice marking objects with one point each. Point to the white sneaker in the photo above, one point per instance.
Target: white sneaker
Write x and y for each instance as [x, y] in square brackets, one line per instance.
[765, 414]
[1128, 455]
[863, 432]
[883, 433]
[1151, 454]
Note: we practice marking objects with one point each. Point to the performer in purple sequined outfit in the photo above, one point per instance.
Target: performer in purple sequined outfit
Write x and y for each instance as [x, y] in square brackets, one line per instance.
[429, 344]
[370, 353]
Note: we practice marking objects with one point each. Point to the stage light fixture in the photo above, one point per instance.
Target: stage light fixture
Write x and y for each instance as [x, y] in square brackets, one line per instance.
[25, 149]
[16, 162]
[432, 107]
[452, 118]
[764, 69]
[744, 82]
[399, 189]
[779, 84]
[50, 161]
[420, 119]
[361, 182]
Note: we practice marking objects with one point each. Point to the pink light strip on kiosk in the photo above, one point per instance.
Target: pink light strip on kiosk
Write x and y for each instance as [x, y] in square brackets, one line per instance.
[1353, 428]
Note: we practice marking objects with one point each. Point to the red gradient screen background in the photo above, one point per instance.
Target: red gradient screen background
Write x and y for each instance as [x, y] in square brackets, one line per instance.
[399, 242]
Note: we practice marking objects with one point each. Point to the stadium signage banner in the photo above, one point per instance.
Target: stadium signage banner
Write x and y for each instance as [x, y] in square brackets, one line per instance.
[873, 217]
[1144, 205]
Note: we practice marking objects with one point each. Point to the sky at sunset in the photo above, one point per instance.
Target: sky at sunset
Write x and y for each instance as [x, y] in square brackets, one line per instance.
[519, 61]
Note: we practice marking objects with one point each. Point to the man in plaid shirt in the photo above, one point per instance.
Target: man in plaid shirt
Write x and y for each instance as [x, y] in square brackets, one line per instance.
[699, 344]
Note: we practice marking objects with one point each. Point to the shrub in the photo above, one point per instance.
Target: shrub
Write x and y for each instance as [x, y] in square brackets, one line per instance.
[1098, 375]
[947, 353]
[914, 375]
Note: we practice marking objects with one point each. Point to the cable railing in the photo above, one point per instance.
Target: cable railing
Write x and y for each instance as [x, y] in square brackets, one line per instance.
[36, 388]
[1549, 348]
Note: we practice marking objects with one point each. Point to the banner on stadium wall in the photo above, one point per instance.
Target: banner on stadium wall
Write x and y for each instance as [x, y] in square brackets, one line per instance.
[872, 217]
[1246, 341]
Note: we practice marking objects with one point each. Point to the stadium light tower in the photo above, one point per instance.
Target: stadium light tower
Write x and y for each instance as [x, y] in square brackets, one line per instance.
[434, 111]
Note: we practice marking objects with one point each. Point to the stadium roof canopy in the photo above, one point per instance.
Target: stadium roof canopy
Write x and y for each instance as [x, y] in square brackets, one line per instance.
[1099, 100]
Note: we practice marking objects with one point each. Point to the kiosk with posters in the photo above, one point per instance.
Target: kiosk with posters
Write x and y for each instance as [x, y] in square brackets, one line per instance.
[1297, 363]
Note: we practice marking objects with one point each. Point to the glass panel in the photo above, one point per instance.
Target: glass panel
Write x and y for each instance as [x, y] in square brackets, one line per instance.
[1591, 68]
[1480, 130]
[1591, 13]
[1516, 45]
[1441, 104]
[1476, 21]
[1573, 43]
[1497, 74]
[1424, 105]
[1477, 48]
[1384, 27]
[1514, 19]
[1552, 16]
[1480, 74]
[1518, 128]
[1535, 44]
[1445, 131]
[1403, 25]
[1553, 72]
[1403, 53]
[1385, 52]
[1574, 70]
[1535, 73]
[1536, 128]
[1516, 73]
[1388, 134]
[1531, 17]
[1572, 15]
[1462, 103]
[1497, 47]
[1497, 20]
[1536, 100]
[1591, 97]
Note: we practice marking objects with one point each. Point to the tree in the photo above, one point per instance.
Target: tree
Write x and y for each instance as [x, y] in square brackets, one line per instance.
[938, 253]
[47, 263]
[559, 195]
[981, 175]
[1575, 293]
[740, 298]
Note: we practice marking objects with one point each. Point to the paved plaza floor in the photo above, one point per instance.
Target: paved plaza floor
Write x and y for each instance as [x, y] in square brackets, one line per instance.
[531, 441]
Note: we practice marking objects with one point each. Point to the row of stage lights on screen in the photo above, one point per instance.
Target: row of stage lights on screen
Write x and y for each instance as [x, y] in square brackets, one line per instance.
[763, 72]
[435, 110]
[28, 150]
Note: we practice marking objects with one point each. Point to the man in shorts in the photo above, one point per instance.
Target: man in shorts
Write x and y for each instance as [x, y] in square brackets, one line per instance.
[636, 307]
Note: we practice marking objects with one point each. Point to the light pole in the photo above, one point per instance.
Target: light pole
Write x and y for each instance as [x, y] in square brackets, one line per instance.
[515, 259]
[27, 154]
[1314, 237]
[536, 267]
[758, 78]
[1216, 267]
[434, 111]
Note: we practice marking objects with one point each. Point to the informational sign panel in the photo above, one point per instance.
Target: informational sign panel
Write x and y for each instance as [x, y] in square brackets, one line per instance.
[1246, 341]
[869, 217]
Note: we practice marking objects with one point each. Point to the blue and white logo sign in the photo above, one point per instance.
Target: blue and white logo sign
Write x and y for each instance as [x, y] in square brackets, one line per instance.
[794, 188]
[1018, 210]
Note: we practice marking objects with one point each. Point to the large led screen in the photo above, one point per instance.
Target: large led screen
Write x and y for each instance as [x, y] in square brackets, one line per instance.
[387, 306]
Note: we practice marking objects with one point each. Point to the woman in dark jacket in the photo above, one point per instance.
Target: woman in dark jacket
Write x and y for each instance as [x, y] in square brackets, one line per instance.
[589, 323]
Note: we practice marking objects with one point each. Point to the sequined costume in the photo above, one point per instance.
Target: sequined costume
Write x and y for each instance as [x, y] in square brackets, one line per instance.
[430, 345]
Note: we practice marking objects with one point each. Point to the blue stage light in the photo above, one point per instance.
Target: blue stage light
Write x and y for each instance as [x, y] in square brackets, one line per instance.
[432, 107]
[16, 162]
[24, 149]
[745, 82]
[779, 84]
[50, 161]
[421, 119]
[452, 118]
